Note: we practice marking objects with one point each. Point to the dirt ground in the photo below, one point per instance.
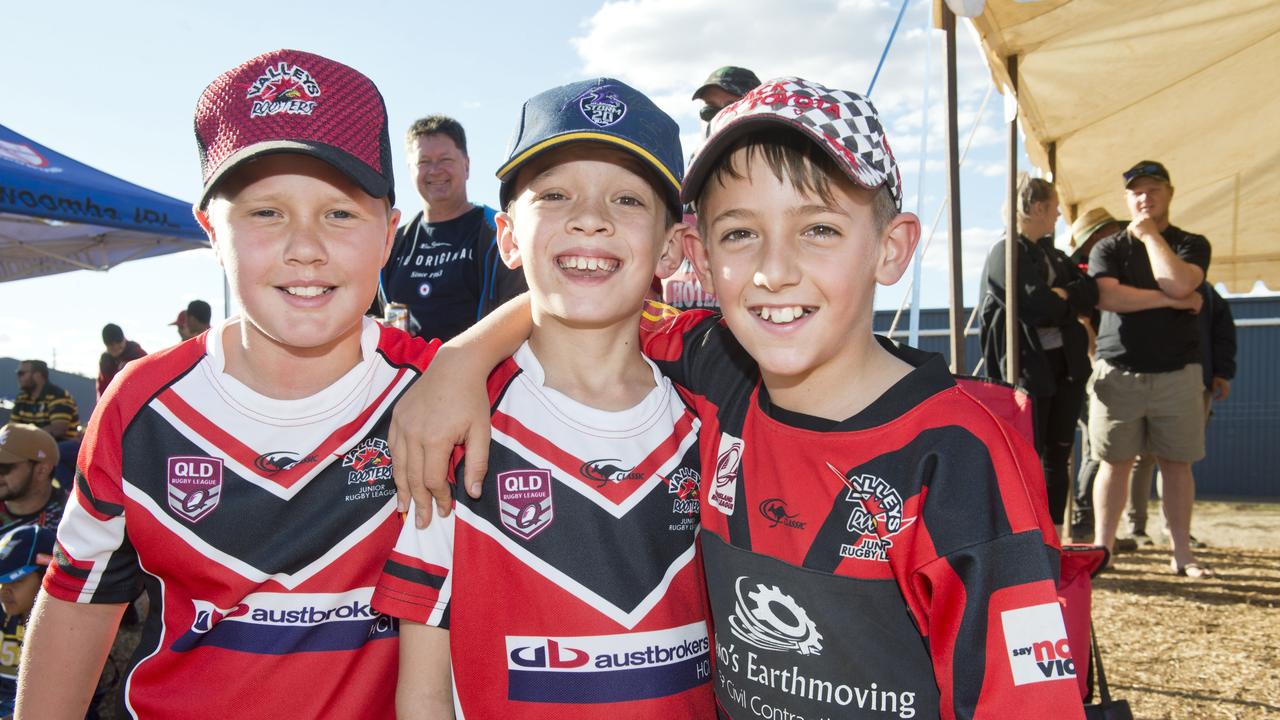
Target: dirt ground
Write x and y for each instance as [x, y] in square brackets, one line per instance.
[1182, 649]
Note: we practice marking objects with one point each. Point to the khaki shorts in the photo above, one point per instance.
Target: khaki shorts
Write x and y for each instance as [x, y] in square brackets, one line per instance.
[1132, 412]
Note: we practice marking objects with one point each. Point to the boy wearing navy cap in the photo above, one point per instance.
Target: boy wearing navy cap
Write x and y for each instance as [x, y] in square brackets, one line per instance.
[581, 592]
[242, 480]
[25, 552]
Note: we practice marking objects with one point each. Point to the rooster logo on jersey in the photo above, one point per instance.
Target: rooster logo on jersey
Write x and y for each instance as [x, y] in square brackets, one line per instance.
[369, 461]
[875, 518]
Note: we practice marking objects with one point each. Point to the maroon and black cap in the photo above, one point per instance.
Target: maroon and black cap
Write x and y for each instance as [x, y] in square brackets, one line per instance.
[841, 122]
[289, 101]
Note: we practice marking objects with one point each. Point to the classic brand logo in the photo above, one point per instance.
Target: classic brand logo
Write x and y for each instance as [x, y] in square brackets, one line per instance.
[770, 619]
[1036, 640]
[195, 486]
[602, 106]
[275, 462]
[775, 511]
[524, 501]
[607, 471]
[728, 460]
[283, 88]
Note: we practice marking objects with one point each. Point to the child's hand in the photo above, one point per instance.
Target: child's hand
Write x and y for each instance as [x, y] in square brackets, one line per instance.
[447, 406]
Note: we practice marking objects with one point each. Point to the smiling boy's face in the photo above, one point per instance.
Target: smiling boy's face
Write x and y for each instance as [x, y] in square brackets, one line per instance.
[302, 246]
[590, 231]
[796, 274]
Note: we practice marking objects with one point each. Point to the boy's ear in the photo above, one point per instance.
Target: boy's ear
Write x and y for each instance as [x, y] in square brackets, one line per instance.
[897, 245]
[673, 249]
[696, 250]
[393, 224]
[506, 236]
[202, 217]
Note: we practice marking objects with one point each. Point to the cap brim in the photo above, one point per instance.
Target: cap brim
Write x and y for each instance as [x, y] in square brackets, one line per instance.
[359, 173]
[711, 150]
[18, 573]
[8, 457]
[507, 173]
[697, 94]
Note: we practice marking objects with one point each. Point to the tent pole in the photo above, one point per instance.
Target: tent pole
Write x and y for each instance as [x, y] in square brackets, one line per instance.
[1011, 237]
[953, 190]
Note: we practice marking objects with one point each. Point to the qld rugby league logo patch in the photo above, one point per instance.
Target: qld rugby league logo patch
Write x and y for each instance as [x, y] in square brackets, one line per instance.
[602, 106]
[195, 486]
[524, 501]
[283, 88]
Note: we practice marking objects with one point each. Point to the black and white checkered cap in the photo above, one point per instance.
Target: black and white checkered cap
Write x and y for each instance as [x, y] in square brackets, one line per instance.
[843, 123]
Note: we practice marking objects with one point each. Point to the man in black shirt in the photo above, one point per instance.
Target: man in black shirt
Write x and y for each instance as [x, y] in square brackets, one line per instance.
[444, 265]
[1146, 390]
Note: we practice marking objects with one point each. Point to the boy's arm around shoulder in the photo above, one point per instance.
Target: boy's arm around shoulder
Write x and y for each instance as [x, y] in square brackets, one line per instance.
[424, 689]
[449, 406]
[63, 653]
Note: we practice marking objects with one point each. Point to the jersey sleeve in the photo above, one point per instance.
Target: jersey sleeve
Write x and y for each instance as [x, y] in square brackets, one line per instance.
[94, 562]
[688, 347]
[416, 580]
[987, 601]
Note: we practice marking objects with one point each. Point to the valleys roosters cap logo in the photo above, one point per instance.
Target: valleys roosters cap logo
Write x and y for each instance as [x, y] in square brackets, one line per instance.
[195, 486]
[283, 88]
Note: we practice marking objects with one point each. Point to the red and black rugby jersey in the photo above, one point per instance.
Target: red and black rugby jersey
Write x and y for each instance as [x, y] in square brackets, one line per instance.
[258, 527]
[898, 564]
[573, 586]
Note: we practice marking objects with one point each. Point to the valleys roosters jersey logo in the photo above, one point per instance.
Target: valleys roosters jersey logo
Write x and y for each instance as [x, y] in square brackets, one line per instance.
[370, 461]
[283, 88]
[875, 518]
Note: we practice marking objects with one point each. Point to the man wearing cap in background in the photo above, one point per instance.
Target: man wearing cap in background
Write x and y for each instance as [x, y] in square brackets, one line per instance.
[444, 265]
[27, 499]
[120, 351]
[722, 87]
[25, 552]
[1146, 392]
[181, 324]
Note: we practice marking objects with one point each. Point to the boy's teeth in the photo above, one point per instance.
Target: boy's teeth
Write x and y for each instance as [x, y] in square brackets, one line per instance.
[781, 315]
[308, 291]
[588, 264]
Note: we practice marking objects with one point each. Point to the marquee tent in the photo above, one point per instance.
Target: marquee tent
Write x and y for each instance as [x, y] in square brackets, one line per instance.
[57, 214]
[1103, 84]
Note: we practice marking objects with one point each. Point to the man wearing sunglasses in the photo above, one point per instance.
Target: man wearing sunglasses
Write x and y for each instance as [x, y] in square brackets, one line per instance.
[723, 87]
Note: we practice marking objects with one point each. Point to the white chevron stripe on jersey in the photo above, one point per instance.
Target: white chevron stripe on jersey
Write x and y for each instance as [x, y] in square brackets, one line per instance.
[626, 619]
[240, 567]
[583, 487]
[212, 407]
[83, 537]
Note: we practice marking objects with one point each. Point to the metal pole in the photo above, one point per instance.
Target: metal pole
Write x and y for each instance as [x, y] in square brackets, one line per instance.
[1011, 238]
[953, 190]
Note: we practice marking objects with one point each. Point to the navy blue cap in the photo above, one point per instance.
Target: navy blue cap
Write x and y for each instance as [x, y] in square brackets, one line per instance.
[1146, 168]
[21, 549]
[601, 110]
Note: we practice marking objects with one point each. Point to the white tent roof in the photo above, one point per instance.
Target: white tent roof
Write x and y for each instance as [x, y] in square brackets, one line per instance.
[1190, 83]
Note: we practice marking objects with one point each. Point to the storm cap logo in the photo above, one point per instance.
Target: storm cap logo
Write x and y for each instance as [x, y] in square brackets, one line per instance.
[775, 511]
[283, 88]
[601, 105]
[607, 471]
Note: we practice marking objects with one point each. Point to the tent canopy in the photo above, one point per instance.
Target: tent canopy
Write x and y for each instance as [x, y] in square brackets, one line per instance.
[1103, 84]
[57, 214]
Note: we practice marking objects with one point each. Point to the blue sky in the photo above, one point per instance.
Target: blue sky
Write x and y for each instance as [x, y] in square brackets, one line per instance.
[114, 85]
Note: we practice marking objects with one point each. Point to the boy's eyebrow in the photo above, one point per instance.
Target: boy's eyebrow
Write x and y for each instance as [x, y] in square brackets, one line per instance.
[813, 209]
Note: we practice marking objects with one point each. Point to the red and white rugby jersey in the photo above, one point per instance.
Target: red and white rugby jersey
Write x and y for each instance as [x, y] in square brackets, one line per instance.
[573, 586]
[258, 528]
[898, 564]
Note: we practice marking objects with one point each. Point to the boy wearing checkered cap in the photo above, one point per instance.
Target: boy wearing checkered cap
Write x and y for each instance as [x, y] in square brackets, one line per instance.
[241, 478]
[876, 543]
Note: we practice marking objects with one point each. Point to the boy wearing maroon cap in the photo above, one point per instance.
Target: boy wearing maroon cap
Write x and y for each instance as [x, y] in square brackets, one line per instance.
[876, 543]
[243, 480]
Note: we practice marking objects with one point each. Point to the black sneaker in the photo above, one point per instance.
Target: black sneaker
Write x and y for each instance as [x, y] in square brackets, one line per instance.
[1143, 540]
[1126, 544]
